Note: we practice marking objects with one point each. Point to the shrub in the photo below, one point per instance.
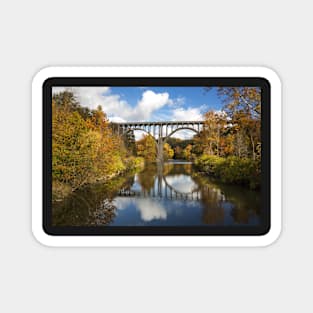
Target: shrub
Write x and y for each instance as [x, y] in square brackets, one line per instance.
[232, 169]
[134, 162]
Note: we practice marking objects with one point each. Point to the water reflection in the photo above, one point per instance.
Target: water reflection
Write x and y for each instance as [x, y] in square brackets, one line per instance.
[171, 195]
[181, 183]
[149, 209]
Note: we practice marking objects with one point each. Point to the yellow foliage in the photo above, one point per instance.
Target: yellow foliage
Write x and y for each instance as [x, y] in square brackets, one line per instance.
[83, 150]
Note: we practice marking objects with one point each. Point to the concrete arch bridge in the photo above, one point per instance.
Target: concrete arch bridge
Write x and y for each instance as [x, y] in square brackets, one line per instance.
[160, 131]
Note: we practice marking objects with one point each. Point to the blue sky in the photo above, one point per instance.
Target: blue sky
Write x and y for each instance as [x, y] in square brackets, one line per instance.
[132, 104]
[183, 102]
[148, 103]
[182, 97]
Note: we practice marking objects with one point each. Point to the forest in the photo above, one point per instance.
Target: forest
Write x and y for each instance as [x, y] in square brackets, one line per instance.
[85, 149]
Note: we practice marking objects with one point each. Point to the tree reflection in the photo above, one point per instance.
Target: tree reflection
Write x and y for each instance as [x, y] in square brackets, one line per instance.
[213, 212]
[216, 197]
[90, 206]
[177, 169]
[246, 203]
[103, 215]
[146, 177]
[240, 215]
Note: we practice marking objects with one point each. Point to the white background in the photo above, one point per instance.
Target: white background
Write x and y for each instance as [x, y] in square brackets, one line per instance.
[35, 34]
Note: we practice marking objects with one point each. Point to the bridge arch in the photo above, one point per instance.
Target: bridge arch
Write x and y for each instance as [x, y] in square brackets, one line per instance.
[164, 138]
[128, 130]
[178, 129]
[143, 130]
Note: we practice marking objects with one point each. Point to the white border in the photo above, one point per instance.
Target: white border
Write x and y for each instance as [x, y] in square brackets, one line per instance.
[156, 241]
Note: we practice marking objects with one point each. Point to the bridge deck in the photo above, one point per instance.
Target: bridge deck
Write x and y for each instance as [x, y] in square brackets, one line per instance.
[159, 123]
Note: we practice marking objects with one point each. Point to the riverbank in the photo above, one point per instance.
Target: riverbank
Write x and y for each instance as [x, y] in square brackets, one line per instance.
[230, 170]
[61, 190]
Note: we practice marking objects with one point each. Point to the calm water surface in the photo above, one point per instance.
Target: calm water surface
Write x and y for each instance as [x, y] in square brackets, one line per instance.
[168, 195]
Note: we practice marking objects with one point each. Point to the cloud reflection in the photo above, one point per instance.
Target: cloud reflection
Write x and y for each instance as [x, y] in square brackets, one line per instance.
[149, 209]
[182, 183]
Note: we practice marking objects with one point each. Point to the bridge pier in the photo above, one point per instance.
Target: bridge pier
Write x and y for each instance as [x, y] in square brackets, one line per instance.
[160, 157]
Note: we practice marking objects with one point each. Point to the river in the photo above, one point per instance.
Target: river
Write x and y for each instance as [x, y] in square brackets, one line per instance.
[169, 195]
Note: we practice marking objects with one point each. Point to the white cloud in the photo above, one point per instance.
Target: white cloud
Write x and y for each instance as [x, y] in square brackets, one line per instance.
[116, 108]
[189, 114]
[56, 90]
[90, 97]
[177, 101]
[139, 134]
[149, 103]
[117, 119]
[119, 110]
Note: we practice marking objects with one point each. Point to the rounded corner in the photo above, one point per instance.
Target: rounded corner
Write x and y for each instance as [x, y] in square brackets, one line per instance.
[42, 237]
[43, 75]
[270, 75]
[271, 236]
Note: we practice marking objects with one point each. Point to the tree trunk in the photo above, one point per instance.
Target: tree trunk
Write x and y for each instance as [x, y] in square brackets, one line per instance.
[253, 148]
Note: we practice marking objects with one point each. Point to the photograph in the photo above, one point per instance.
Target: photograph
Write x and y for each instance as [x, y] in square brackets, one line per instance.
[156, 156]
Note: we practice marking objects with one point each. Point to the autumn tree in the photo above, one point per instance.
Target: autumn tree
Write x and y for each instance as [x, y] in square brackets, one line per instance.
[146, 148]
[241, 99]
[70, 159]
[215, 124]
[247, 132]
[84, 147]
[231, 141]
[65, 100]
[168, 152]
[242, 134]
[187, 152]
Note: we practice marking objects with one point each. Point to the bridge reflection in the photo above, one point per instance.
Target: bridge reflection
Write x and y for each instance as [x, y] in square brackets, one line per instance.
[167, 193]
[161, 189]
